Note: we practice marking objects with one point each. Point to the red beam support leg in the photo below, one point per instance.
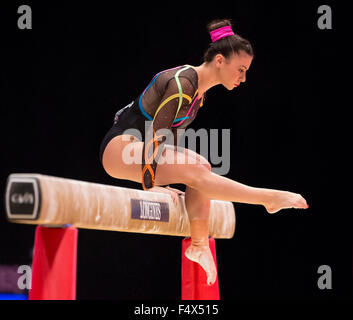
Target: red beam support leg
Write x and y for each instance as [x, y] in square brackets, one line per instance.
[194, 279]
[54, 264]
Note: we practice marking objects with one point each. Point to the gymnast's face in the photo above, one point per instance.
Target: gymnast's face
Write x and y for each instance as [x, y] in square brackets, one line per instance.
[232, 70]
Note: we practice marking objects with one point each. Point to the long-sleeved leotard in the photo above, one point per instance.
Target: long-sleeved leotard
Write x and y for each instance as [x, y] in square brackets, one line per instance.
[171, 102]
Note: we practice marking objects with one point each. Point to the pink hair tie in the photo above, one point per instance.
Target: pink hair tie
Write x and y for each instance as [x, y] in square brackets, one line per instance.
[221, 33]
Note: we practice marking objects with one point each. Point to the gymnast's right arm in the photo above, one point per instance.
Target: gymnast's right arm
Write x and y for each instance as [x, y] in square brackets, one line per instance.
[163, 119]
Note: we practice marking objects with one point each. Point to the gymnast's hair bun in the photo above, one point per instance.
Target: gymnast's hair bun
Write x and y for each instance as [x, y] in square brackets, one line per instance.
[218, 23]
[225, 42]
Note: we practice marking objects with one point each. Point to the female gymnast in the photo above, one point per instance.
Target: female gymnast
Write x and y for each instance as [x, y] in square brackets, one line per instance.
[171, 101]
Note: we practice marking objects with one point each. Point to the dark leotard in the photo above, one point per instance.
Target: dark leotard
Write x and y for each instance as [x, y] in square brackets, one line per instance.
[170, 101]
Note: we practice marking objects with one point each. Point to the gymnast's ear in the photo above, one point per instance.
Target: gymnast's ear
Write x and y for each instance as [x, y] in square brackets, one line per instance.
[219, 59]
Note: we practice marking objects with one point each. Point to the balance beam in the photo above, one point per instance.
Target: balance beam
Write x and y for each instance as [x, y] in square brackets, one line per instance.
[53, 201]
[59, 206]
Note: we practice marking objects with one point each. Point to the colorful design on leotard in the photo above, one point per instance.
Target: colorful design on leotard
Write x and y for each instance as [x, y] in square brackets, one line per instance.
[151, 83]
[192, 104]
[148, 167]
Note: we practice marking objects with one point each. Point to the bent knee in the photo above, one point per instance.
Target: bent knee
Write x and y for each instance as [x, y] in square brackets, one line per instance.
[203, 163]
[189, 156]
[197, 174]
[182, 165]
[207, 165]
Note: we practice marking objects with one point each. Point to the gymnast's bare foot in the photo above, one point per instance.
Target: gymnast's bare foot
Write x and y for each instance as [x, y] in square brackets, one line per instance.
[203, 256]
[284, 200]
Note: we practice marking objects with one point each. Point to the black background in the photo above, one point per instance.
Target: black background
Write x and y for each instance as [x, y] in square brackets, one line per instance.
[63, 81]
